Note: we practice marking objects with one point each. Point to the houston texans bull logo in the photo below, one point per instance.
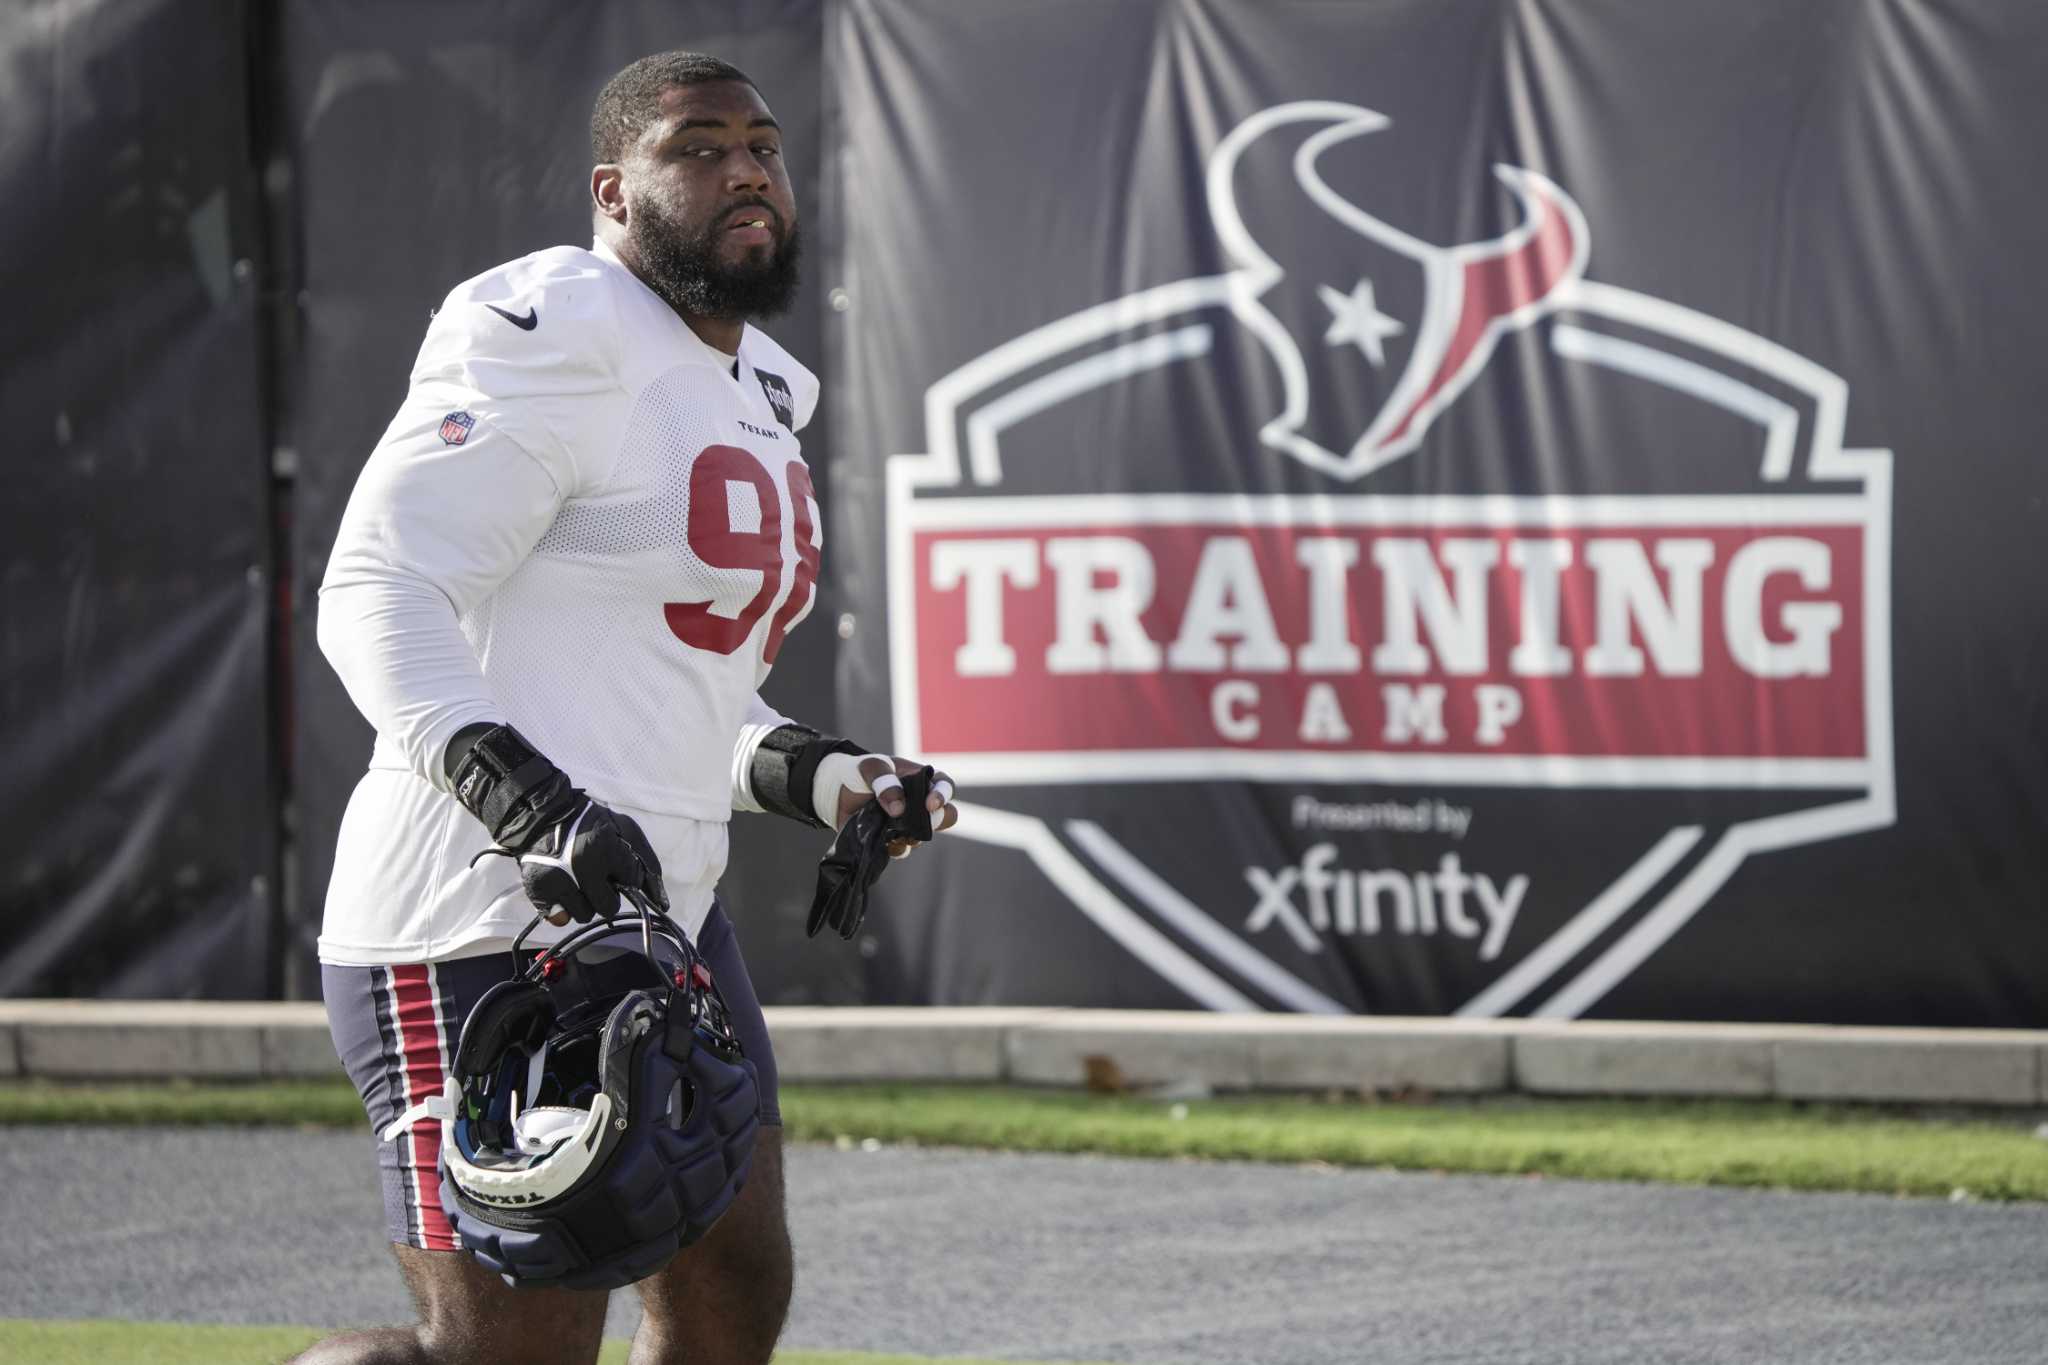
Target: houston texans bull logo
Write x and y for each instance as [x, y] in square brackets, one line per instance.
[1383, 682]
[1472, 293]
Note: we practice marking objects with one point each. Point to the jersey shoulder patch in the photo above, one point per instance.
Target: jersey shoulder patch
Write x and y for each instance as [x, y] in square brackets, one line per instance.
[792, 390]
[530, 350]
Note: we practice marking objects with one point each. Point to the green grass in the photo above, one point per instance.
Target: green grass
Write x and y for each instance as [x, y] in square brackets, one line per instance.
[35, 1341]
[49, 1342]
[1696, 1142]
[1691, 1142]
[320, 1104]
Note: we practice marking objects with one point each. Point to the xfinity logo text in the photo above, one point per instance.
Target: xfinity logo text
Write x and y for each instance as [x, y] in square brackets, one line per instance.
[1370, 902]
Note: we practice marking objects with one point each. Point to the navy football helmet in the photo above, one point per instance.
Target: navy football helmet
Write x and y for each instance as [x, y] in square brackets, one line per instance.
[600, 1114]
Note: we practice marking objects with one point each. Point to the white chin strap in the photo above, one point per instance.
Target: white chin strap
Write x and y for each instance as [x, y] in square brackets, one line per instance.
[442, 1106]
[446, 1105]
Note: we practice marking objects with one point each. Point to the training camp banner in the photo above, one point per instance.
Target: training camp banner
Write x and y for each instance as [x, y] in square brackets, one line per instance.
[1449, 508]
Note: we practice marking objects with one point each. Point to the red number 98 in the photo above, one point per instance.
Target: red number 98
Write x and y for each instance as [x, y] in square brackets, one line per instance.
[714, 541]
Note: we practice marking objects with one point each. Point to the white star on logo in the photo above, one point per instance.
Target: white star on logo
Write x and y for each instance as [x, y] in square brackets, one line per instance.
[1355, 317]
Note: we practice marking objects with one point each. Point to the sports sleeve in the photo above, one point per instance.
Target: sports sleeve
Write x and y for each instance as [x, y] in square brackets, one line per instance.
[507, 401]
[441, 515]
[760, 719]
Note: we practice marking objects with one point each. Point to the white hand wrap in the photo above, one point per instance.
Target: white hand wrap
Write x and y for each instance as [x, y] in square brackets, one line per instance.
[836, 771]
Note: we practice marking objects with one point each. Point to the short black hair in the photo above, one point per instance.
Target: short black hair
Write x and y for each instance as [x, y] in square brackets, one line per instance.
[632, 99]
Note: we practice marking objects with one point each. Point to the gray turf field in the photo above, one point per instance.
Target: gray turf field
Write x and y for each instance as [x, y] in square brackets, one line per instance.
[1085, 1258]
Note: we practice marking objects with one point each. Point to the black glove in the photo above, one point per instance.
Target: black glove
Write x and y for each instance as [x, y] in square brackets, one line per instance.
[573, 854]
[861, 853]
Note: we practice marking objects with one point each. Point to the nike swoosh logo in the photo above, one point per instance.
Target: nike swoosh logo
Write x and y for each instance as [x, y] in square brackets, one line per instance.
[524, 324]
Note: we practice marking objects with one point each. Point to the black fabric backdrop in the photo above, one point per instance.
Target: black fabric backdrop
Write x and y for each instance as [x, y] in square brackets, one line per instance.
[137, 814]
[1850, 185]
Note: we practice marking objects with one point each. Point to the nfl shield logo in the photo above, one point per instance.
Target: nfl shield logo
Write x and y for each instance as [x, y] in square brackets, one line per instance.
[455, 427]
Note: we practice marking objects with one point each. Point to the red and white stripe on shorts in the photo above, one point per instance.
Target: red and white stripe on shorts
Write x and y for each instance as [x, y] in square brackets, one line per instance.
[420, 1030]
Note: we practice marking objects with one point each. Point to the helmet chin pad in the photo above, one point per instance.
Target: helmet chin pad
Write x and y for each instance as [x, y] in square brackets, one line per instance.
[544, 1127]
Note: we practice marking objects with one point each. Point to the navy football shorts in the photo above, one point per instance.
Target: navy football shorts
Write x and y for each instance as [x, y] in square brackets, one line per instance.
[397, 1026]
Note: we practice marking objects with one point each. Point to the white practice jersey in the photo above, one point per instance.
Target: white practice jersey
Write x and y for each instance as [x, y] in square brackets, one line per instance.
[588, 523]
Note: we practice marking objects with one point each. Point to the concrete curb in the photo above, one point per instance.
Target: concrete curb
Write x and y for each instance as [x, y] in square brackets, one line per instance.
[816, 1043]
[98, 1040]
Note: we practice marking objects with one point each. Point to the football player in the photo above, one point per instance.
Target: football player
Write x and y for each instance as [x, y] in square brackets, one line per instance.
[561, 579]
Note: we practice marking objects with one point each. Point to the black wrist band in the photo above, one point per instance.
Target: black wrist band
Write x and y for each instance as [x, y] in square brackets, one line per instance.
[786, 763]
[500, 776]
[459, 745]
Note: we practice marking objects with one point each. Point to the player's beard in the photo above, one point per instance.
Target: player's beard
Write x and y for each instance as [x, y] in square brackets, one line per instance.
[683, 267]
